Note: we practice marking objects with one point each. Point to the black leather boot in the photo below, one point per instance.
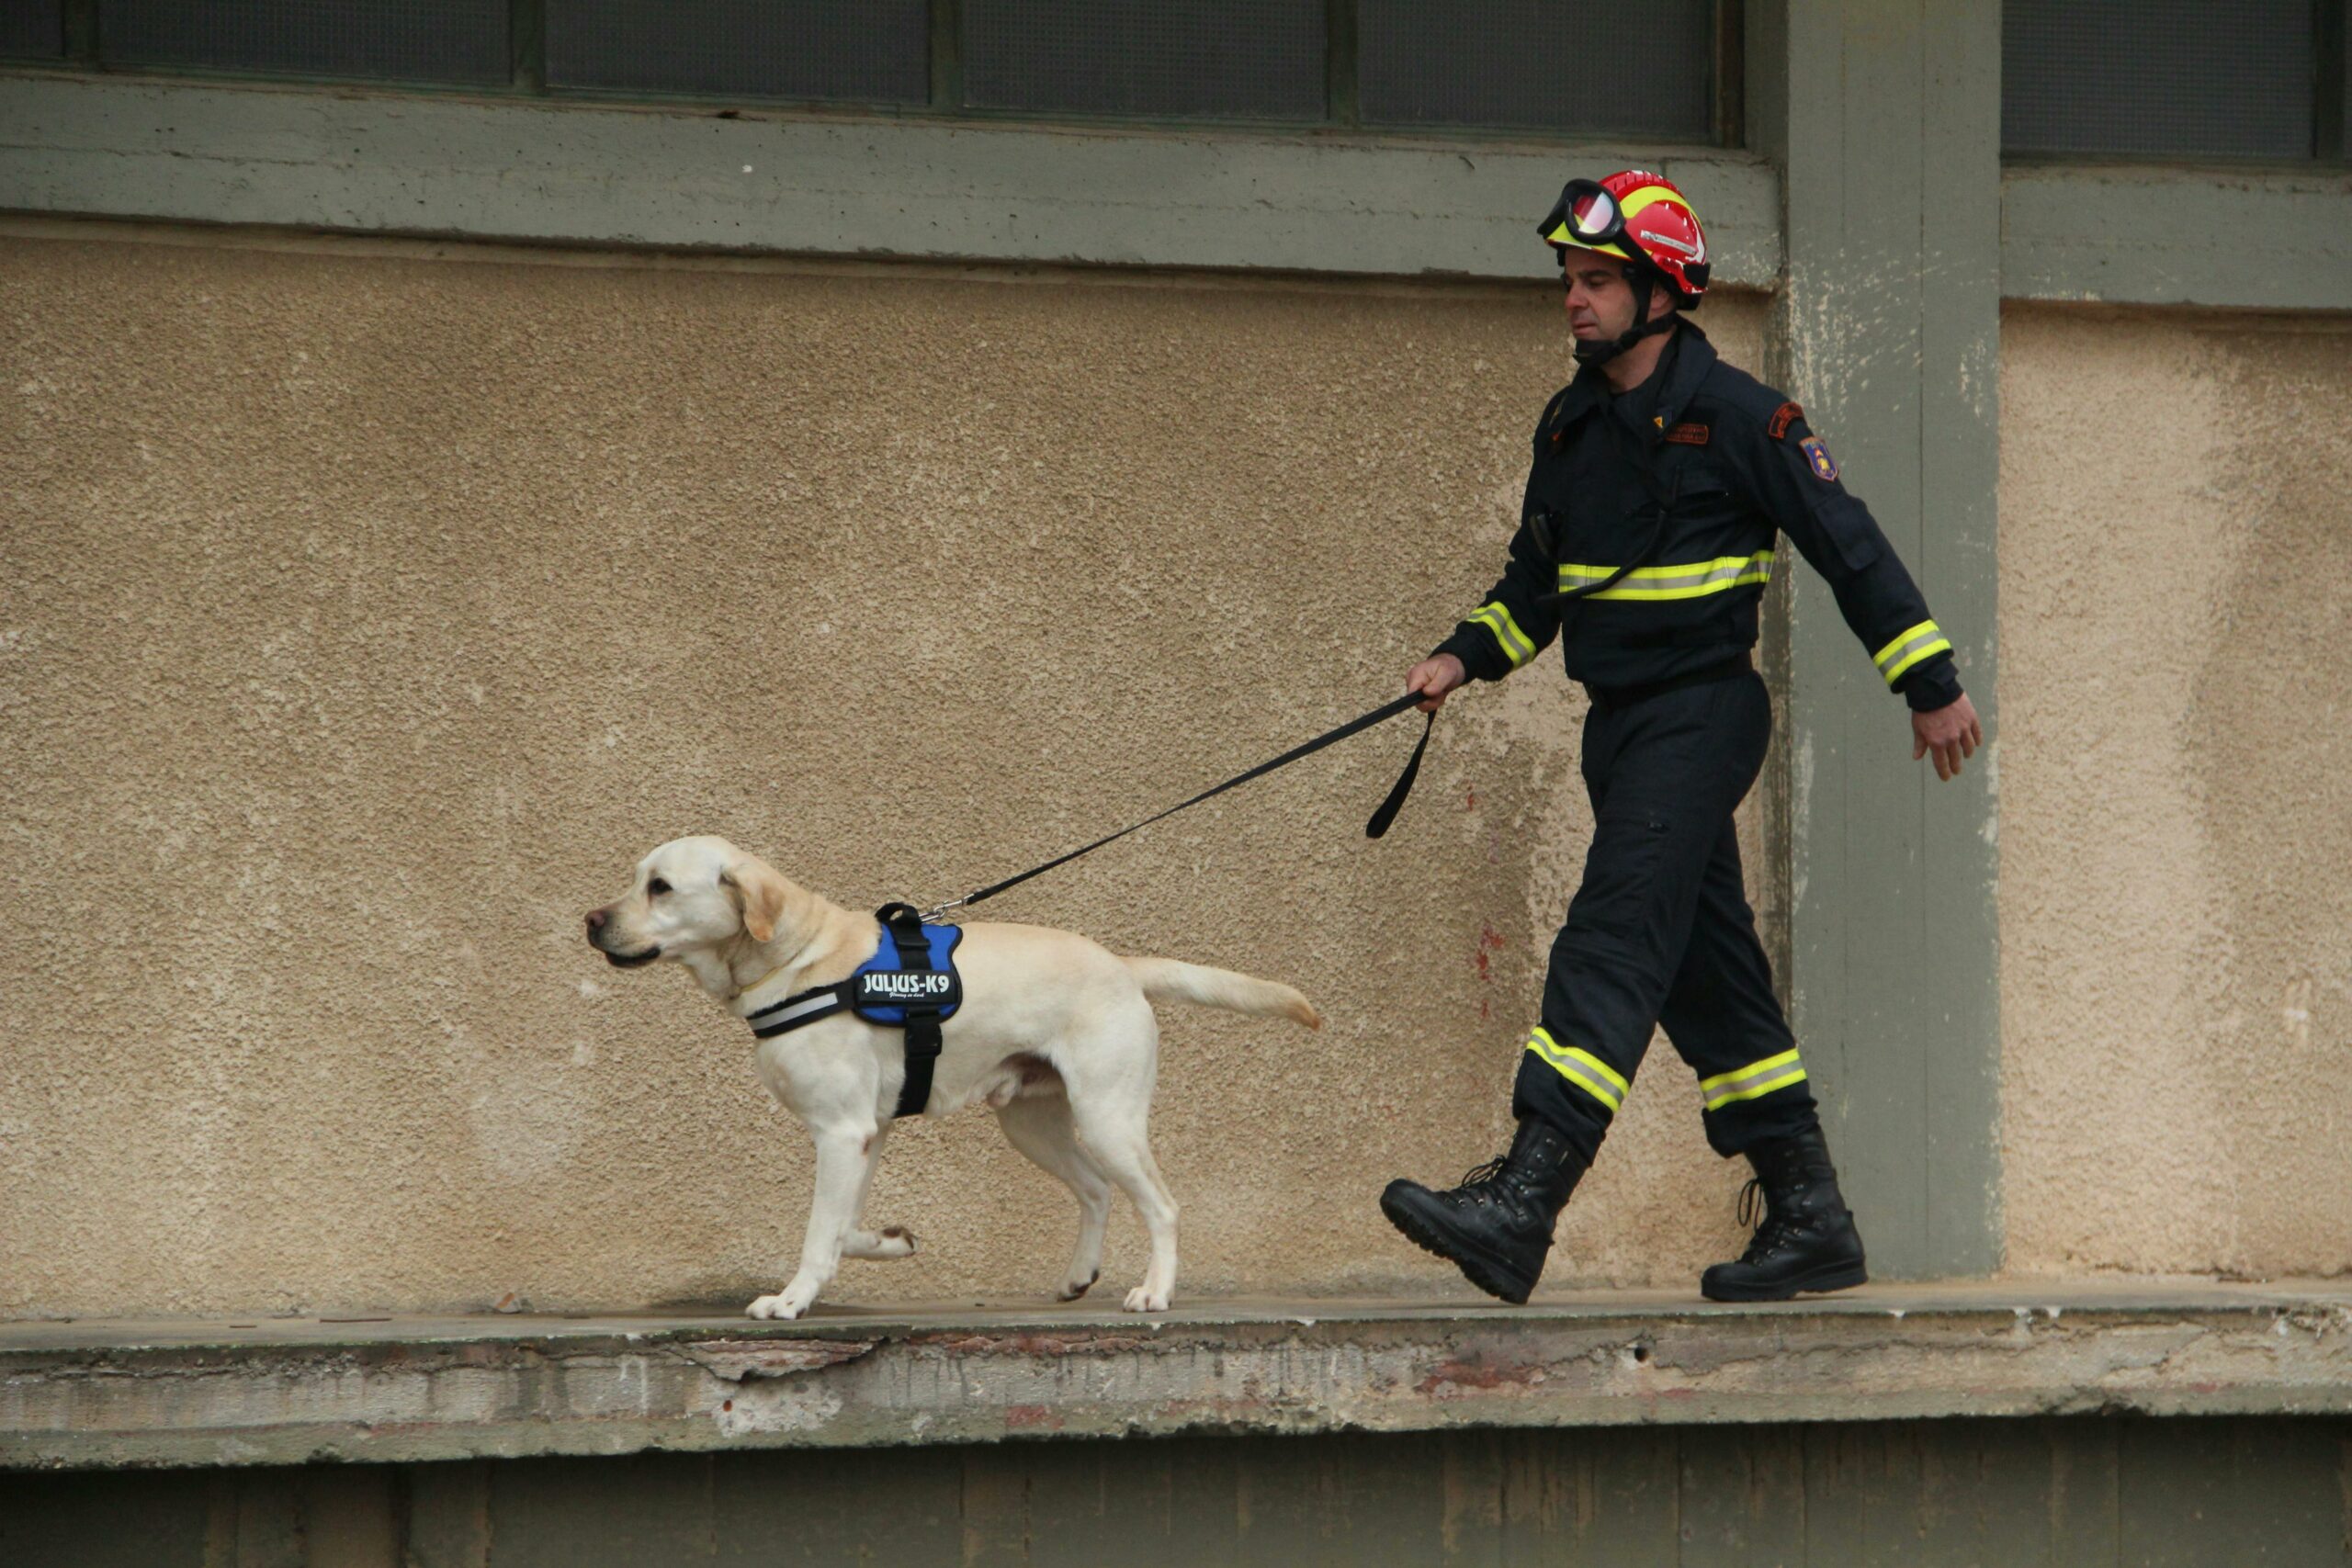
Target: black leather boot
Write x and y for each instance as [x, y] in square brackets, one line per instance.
[1807, 1240]
[1495, 1226]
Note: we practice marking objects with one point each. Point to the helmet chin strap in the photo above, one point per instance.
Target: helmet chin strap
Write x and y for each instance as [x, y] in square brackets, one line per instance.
[1602, 352]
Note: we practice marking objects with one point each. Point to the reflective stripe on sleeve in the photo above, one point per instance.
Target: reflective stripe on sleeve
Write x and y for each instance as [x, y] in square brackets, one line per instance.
[1582, 1069]
[1691, 580]
[1752, 1081]
[1922, 642]
[1494, 616]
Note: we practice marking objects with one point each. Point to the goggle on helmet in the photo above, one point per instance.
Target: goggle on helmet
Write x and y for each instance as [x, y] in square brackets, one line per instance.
[1637, 216]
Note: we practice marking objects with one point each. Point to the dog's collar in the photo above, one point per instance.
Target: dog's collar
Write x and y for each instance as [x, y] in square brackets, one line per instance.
[740, 992]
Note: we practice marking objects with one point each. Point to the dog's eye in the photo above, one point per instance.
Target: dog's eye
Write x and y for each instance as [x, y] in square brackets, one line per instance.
[657, 886]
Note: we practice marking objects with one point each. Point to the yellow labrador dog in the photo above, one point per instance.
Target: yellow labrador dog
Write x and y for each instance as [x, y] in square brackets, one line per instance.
[1056, 1033]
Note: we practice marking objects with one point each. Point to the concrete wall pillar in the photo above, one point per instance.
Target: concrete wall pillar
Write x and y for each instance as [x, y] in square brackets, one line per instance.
[1885, 121]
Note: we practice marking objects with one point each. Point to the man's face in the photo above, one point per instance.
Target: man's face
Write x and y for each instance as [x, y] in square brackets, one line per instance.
[1601, 302]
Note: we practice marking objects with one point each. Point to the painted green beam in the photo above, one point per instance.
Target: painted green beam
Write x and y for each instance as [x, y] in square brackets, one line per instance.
[598, 173]
[1887, 116]
[2138, 235]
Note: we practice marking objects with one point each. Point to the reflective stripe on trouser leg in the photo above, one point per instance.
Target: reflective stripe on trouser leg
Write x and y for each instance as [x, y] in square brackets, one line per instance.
[1753, 1081]
[1723, 1015]
[1581, 1068]
[1665, 776]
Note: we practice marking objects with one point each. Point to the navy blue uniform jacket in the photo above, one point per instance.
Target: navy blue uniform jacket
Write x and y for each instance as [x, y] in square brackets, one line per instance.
[1732, 467]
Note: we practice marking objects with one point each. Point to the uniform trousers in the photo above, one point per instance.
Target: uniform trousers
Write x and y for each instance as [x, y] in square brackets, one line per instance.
[1660, 932]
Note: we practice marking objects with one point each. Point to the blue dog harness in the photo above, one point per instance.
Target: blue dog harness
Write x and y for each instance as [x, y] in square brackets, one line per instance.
[910, 983]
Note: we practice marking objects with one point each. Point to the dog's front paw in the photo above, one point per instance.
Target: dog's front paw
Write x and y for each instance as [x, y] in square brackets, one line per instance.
[1141, 1298]
[894, 1241]
[1073, 1289]
[787, 1305]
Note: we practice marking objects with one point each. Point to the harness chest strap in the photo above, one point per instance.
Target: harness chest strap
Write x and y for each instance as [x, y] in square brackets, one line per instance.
[900, 986]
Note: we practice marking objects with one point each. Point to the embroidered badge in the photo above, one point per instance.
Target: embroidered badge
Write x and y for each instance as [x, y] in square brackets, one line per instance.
[1825, 466]
[1688, 435]
[1784, 416]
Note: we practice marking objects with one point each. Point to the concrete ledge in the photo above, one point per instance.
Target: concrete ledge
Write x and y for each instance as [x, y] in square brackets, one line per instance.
[592, 174]
[96, 1395]
[2155, 236]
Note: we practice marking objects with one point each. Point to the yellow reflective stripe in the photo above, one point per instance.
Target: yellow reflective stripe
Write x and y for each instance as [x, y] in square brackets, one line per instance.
[1752, 1081]
[1689, 580]
[1494, 616]
[1582, 1069]
[1923, 641]
[1927, 651]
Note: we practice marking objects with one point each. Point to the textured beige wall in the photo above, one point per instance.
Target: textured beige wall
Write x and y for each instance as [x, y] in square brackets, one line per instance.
[364, 611]
[2176, 784]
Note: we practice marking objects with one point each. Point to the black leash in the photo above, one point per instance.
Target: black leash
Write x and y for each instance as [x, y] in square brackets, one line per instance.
[1374, 828]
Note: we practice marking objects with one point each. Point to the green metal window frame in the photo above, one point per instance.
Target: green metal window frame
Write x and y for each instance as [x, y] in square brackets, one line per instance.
[2331, 38]
[527, 31]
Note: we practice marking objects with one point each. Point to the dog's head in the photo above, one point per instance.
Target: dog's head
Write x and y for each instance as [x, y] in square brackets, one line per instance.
[690, 896]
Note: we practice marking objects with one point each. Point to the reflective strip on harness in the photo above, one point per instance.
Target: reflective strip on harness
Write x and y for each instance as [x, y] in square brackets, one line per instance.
[1691, 580]
[1752, 1081]
[1582, 1069]
[794, 1012]
[1494, 616]
[1922, 642]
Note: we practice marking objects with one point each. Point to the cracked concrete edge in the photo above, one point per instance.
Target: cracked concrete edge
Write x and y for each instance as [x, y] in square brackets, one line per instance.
[797, 183]
[604, 1393]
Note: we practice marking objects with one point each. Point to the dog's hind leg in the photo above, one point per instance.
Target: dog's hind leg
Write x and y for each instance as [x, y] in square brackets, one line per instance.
[1116, 1139]
[843, 1165]
[890, 1241]
[1039, 1126]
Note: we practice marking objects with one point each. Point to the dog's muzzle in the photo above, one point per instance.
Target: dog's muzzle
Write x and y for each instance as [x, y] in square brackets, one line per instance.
[597, 921]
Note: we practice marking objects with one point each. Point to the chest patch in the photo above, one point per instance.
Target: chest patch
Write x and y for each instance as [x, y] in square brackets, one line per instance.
[1825, 466]
[1784, 416]
[1688, 435]
[883, 988]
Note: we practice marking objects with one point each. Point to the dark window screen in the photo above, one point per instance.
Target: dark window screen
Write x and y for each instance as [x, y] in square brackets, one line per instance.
[1643, 66]
[1259, 59]
[863, 50]
[2157, 76]
[409, 40]
[32, 29]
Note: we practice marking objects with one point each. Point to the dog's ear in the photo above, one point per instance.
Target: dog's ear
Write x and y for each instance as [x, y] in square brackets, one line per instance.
[760, 891]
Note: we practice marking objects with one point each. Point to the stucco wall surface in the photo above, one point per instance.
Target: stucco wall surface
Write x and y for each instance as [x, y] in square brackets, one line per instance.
[2176, 792]
[367, 610]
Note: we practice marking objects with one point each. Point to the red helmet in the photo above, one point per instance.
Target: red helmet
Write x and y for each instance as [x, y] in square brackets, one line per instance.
[1638, 216]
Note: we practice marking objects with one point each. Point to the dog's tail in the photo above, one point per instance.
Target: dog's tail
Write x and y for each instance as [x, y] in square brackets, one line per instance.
[1169, 980]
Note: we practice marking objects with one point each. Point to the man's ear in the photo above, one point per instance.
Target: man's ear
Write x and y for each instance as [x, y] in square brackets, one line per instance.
[761, 893]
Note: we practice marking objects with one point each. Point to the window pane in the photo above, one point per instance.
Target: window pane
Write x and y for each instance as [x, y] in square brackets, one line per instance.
[863, 50]
[1261, 59]
[414, 40]
[1644, 67]
[32, 29]
[2157, 77]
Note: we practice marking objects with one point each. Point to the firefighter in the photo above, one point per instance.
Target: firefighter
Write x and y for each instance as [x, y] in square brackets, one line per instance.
[1662, 478]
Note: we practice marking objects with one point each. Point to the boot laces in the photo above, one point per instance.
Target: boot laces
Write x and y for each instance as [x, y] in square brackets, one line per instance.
[1756, 1212]
[1484, 1184]
[1478, 1175]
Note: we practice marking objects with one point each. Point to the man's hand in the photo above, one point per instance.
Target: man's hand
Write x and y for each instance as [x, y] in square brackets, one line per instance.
[1951, 732]
[1436, 675]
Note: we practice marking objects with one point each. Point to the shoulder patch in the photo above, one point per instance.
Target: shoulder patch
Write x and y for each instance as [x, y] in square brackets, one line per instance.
[1784, 416]
[1688, 435]
[1825, 466]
